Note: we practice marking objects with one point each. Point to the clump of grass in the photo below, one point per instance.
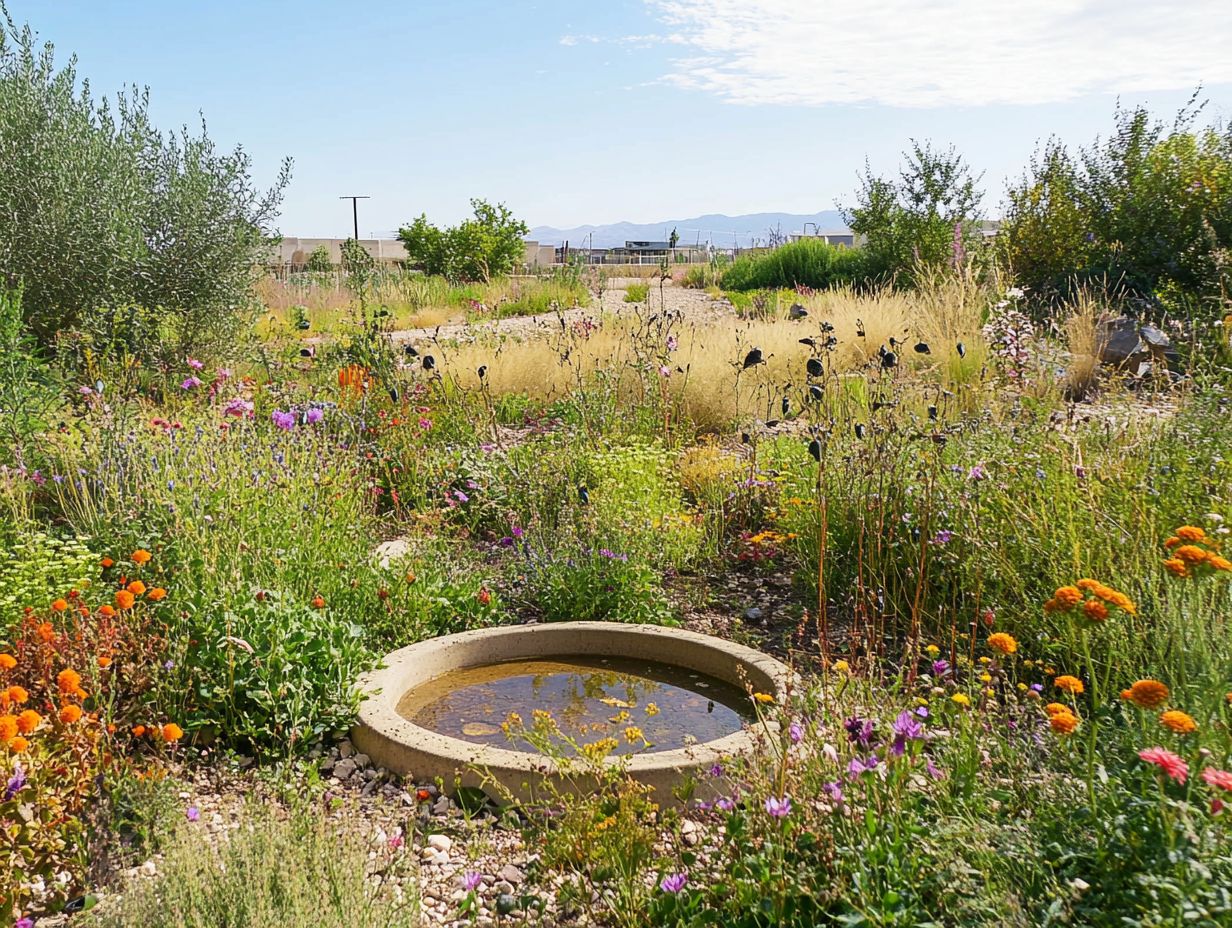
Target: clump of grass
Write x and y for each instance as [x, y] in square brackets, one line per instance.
[1082, 337]
[636, 293]
[301, 870]
[806, 263]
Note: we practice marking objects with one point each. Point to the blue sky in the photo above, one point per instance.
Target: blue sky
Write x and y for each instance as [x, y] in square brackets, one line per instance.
[632, 109]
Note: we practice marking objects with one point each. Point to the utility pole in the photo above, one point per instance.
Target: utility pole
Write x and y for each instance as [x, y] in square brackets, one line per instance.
[355, 211]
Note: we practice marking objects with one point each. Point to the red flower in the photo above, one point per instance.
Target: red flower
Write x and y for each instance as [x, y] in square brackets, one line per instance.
[1171, 764]
[1220, 779]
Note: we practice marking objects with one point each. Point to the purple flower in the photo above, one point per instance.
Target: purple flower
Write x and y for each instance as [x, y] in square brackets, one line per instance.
[796, 732]
[977, 473]
[906, 728]
[778, 808]
[195, 364]
[461, 497]
[517, 531]
[673, 882]
[284, 420]
[859, 730]
[237, 408]
[189, 383]
[193, 814]
[672, 343]
[85, 391]
[856, 767]
[932, 769]
[26, 922]
[16, 784]
[943, 537]
[1036, 687]
[471, 880]
[314, 415]
[169, 665]
[834, 790]
[716, 770]
[941, 668]
[725, 805]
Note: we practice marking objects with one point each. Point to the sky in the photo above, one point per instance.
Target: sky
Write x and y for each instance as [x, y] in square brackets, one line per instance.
[642, 110]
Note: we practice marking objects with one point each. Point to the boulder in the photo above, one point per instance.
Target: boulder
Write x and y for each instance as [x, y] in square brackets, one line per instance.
[1125, 344]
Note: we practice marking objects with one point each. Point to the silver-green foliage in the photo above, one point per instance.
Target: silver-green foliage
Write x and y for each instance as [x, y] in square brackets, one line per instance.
[99, 210]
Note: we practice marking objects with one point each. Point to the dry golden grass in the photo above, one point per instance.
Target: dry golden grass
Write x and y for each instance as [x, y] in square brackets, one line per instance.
[705, 371]
[1082, 339]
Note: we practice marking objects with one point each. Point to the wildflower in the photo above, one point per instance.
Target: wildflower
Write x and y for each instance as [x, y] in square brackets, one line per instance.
[26, 922]
[1169, 763]
[1220, 563]
[17, 694]
[68, 680]
[172, 732]
[778, 808]
[16, 783]
[1068, 596]
[156, 594]
[137, 588]
[106, 563]
[46, 632]
[941, 668]
[484, 596]
[195, 364]
[1220, 779]
[1068, 684]
[396, 842]
[190, 382]
[1063, 723]
[124, 599]
[138, 731]
[1190, 534]
[795, 731]
[471, 880]
[716, 770]
[7, 662]
[8, 728]
[985, 678]
[28, 721]
[961, 699]
[283, 420]
[19, 745]
[192, 813]
[107, 611]
[1095, 610]
[673, 882]
[906, 728]
[1179, 722]
[1191, 554]
[59, 605]
[70, 714]
[651, 709]
[763, 697]
[318, 602]
[141, 556]
[859, 730]
[634, 734]
[1146, 694]
[104, 662]
[1002, 643]
[841, 667]
[932, 650]
[1176, 567]
[314, 415]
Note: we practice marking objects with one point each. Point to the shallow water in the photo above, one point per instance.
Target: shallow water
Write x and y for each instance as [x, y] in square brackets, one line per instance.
[589, 699]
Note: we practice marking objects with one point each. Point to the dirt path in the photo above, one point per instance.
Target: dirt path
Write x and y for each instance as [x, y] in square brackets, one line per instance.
[691, 304]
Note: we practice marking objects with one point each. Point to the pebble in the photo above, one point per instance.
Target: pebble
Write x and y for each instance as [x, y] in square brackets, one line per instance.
[345, 748]
[344, 768]
[440, 842]
[510, 874]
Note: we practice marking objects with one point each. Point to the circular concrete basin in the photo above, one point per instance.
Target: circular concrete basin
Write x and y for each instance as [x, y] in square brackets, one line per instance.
[399, 745]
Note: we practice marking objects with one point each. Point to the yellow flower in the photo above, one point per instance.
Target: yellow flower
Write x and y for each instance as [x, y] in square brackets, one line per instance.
[841, 666]
[634, 734]
[1002, 643]
[961, 699]
[763, 697]
[985, 678]
[932, 650]
[652, 709]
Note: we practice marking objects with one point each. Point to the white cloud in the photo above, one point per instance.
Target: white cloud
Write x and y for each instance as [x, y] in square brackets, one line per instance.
[921, 53]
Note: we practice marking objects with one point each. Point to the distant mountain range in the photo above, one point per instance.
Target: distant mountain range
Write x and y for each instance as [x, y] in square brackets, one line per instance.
[719, 229]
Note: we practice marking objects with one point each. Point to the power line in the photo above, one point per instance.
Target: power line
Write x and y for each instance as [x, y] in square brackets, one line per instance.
[355, 211]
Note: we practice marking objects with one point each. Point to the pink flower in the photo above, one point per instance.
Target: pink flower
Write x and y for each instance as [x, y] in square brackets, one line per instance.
[396, 842]
[1171, 764]
[195, 364]
[189, 383]
[1220, 779]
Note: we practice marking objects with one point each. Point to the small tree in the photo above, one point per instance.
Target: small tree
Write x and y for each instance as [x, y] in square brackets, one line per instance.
[918, 217]
[478, 249]
[319, 261]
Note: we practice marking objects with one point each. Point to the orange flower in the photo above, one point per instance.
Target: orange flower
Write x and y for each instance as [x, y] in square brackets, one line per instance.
[136, 588]
[60, 605]
[1086, 583]
[18, 694]
[172, 732]
[1179, 722]
[104, 661]
[68, 681]
[107, 612]
[1176, 567]
[28, 721]
[1063, 723]
[107, 562]
[318, 602]
[1220, 563]
[19, 745]
[1069, 684]
[1002, 643]
[1190, 533]
[1068, 597]
[70, 714]
[1095, 610]
[141, 556]
[156, 594]
[1122, 602]
[1172, 542]
[1191, 554]
[124, 599]
[7, 662]
[1147, 694]
[8, 728]
[1056, 708]
[46, 633]
[138, 731]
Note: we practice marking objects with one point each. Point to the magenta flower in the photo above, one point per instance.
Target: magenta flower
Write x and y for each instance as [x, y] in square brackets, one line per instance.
[796, 732]
[284, 420]
[396, 842]
[778, 808]
[314, 415]
[190, 383]
[471, 880]
[195, 364]
[26, 922]
[238, 408]
[673, 882]
[16, 784]
[192, 813]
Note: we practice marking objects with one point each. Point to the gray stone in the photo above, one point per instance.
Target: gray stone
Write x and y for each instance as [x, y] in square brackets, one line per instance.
[344, 768]
[345, 748]
[361, 760]
[753, 614]
[511, 874]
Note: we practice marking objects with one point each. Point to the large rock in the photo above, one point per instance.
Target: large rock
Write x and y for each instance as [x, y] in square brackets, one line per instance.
[1125, 344]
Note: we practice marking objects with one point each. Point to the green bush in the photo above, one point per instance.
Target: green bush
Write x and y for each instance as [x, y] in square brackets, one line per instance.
[98, 209]
[636, 293]
[29, 387]
[806, 263]
[479, 249]
[302, 870]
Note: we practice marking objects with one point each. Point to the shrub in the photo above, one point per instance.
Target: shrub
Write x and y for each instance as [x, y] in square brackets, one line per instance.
[319, 261]
[28, 386]
[636, 293]
[300, 870]
[479, 249]
[99, 210]
[806, 263]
